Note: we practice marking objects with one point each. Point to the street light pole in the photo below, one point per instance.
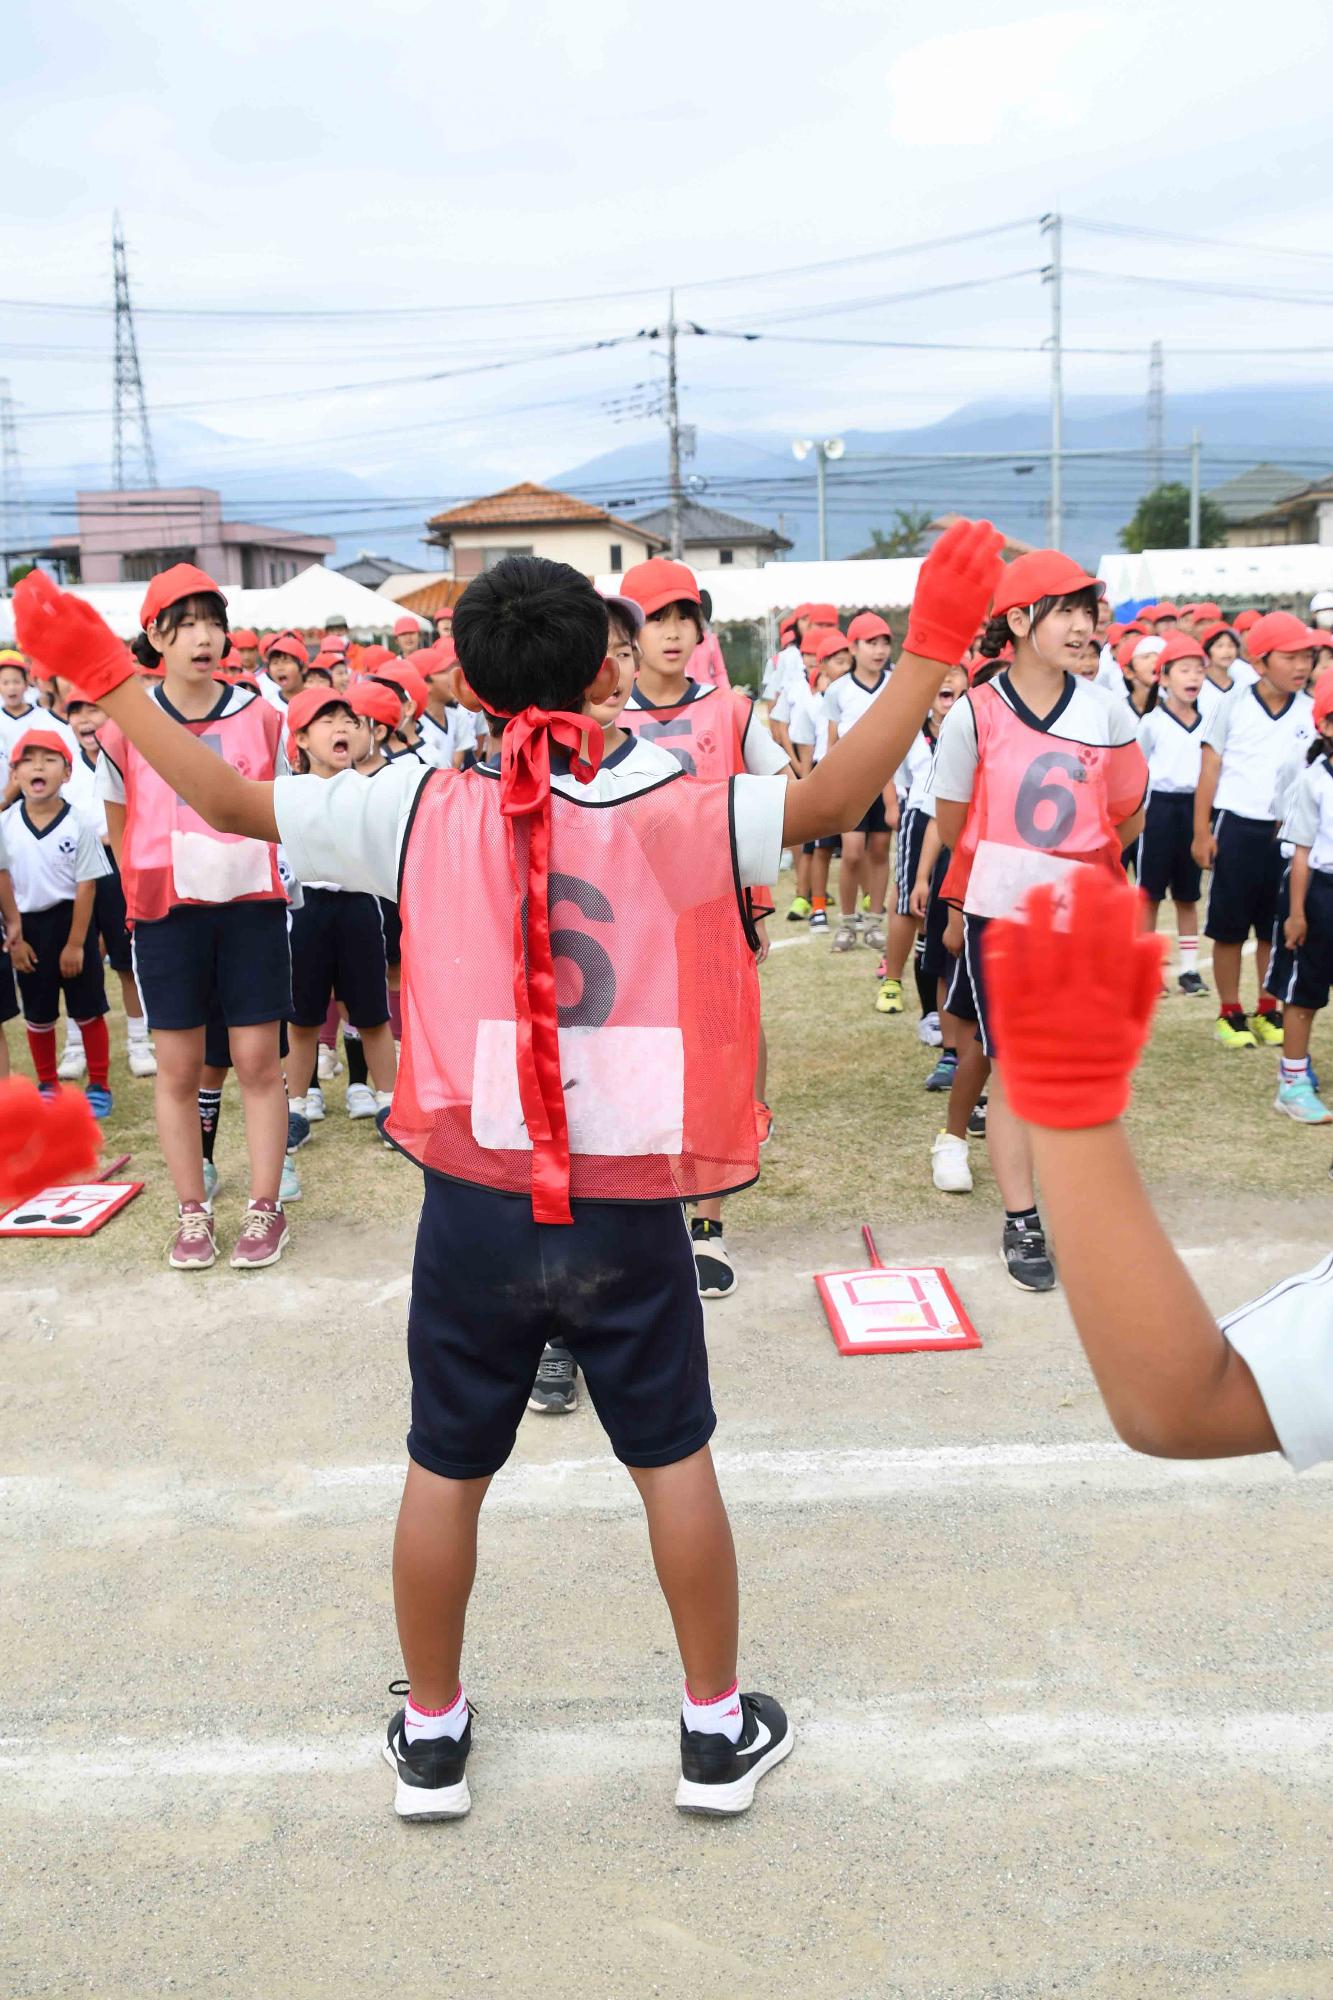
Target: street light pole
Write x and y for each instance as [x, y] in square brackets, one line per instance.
[824, 449]
[673, 431]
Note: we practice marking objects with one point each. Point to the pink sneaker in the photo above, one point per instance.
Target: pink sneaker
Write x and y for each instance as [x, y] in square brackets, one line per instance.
[195, 1245]
[263, 1237]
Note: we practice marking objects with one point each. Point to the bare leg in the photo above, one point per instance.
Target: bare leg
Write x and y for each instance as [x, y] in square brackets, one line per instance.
[180, 1063]
[969, 1078]
[1010, 1150]
[381, 1055]
[803, 873]
[434, 1564]
[902, 936]
[820, 860]
[1297, 1023]
[761, 1068]
[695, 1561]
[129, 997]
[302, 1055]
[849, 872]
[1226, 974]
[254, 1057]
[876, 870]
[1263, 952]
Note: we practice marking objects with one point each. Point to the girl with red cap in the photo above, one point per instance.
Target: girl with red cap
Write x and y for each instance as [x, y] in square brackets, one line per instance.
[864, 866]
[1302, 963]
[1036, 773]
[1171, 738]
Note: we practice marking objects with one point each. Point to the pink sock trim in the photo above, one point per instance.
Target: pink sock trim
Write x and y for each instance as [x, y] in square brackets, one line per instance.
[448, 1708]
[710, 1701]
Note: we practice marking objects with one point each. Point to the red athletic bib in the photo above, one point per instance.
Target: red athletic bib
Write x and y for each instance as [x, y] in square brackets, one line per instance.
[706, 736]
[1039, 803]
[170, 855]
[656, 989]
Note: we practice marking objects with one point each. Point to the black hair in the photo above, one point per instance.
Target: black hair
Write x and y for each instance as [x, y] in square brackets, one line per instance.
[1226, 633]
[706, 605]
[684, 608]
[530, 634]
[204, 604]
[318, 674]
[617, 622]
[1319, 748]
[998, 633]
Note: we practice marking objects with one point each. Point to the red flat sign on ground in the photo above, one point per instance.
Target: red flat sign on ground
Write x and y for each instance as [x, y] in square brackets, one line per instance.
[894, 1309]
[68, 1211]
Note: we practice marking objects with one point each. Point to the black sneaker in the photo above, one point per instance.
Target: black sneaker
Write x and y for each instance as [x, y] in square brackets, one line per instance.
[719, 1777]
[556, 1390]
[976, 1123]
[298, 1130]
[819, 920]
[1192, 983]
[431, 1773]
[717, 1280]
[1026, 1259]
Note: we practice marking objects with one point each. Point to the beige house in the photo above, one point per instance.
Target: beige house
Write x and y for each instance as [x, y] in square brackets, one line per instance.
[532, 520]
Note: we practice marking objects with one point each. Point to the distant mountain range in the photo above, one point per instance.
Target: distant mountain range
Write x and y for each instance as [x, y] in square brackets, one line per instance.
[755, 475]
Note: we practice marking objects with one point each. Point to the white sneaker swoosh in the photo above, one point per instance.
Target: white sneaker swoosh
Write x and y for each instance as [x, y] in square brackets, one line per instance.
[761, 1742]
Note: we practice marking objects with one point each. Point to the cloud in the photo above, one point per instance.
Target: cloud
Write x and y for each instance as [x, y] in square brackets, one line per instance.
[993, 84]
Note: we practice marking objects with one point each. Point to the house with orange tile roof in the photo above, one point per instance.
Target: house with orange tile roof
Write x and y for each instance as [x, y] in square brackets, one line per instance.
[532, 520]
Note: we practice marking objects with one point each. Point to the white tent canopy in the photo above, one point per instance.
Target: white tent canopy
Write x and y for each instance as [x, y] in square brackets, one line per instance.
[305, 600]
[740, 594]
[1287, 570]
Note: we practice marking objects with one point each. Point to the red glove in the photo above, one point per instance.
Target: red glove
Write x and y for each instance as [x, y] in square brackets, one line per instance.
[63, 635]
[43, 1143]
[1072, 1006]
[953, 591]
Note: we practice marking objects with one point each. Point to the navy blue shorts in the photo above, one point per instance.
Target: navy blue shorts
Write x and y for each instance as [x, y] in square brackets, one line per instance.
[338, 949]
[1163, 862]
[393, 931]
[934, 958]
[209, 958]
[9, 999]
[966, 998]
[85, 995]
[109, 919]
[873, 820]
[911, 838]
[1247, 876]
[490, 1287]
[1302, 978]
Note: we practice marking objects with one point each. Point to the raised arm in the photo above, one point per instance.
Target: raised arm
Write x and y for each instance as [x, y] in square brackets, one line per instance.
[64, 635]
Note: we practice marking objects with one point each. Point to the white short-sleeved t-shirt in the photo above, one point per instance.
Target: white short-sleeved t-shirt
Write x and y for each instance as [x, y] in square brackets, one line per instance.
[350, 829]
[1309, 817]
[80, 788]
[1210, 697]
[848, 698]
[1285, 1339]
[913, 776]
[782, 670]
[1082, 715]
[1174, 750]
[1254, 744]
[435, 741]
[808, 720]
[47, 863]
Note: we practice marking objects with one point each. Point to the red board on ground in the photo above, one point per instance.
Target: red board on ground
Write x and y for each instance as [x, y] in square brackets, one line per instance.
[68, 1211]
[894, 1309]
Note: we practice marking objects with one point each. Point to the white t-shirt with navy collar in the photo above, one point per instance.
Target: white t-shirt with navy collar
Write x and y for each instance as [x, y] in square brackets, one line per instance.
[231, 700]
[1174, 750]
[1254, 745]
[47, 863]
[848, 698]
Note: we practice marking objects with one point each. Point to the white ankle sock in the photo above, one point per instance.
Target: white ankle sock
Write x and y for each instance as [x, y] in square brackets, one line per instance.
[1294, 1068]
[432, 1722]
[1189, 954]
[136, 1028]
[720, 1716]
[73, 1035]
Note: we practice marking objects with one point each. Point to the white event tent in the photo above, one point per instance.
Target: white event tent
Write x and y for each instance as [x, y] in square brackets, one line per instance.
[1254, 574]
[754, 594]
[306, 600]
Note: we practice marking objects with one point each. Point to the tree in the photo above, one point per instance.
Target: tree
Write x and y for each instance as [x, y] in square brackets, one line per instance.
[17, 572]
[1162, 521]
[906, 535]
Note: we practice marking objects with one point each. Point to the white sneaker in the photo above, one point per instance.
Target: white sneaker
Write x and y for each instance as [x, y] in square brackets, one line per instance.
[948, 1165]
[73, 1063]
[383, 1099]
[928, 1031]
[141, 1059]
[314, 1104]
[298, 1105]
[360, 1101]
[328, 1064]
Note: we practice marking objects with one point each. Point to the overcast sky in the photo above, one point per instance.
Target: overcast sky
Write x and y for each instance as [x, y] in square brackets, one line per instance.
[466, 162]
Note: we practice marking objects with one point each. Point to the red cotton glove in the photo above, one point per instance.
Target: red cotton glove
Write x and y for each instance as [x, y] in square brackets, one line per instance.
[1073, 1005]
[43, 1142]
[953, 591]
[62, 634]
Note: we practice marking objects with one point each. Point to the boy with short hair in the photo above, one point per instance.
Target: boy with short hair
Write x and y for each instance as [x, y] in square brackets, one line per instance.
[408, 634]
[865, 848]
[1249, 737]
[556, 1162]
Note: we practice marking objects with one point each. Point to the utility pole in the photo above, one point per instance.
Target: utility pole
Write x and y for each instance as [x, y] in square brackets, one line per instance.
[130, 407]
[673, 435]
[1051, 275]
[1156, 413]
[1196, 496]
[14, 529]
[824, 449]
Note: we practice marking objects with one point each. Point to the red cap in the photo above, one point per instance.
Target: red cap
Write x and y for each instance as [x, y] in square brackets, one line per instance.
[1114, 633]
[1178, 646]
[402, 626]
[290, 643]
[1166, 609]
[1321, 641]
[658, 582]
[1137, 642]
[401, 675]
[1206, 610]
[1215, 631]
[375, 657]
[1243, 620]
[310, 702]
[244, 639]
[41, 739]
[830, 641]
[787, 631]
[442, 654]
[822, 614]
[1323, 700]
[181, 580]
[1041, 573]
[332, 642]
[1279, 632]
[377, 702]
[868, 625]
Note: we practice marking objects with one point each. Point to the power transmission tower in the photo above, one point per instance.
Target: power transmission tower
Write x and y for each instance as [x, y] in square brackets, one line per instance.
[1156, 413]
[130, 405]
[14, 529]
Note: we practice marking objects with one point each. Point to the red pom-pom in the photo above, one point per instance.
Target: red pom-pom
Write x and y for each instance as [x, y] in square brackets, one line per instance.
[44, 1142]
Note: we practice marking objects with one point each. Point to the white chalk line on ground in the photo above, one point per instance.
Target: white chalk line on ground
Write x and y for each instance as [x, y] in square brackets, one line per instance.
[874, 1748]
[99, 1508]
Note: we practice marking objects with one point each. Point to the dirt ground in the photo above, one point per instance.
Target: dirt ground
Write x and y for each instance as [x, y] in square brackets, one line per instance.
[1065, 1715]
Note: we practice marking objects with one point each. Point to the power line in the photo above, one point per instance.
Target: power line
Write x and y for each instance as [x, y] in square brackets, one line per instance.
[1209, 242]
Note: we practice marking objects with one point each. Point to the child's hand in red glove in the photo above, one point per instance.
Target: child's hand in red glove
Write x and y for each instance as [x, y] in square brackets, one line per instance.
[1072, 1006]
[63, 635]
[43, 1142]
[953, 591]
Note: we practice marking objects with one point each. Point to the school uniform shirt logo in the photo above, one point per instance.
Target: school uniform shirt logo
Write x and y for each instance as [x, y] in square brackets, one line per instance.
[67, 845]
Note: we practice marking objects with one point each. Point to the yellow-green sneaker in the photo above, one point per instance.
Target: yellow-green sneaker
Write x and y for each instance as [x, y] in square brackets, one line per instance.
[800, 910]
[1233, 1032]
[1267, 1028]
[889, 999]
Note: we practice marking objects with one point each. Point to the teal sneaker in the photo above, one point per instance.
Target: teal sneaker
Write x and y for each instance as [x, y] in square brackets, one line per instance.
[212, 1181]
[289, 1187]
[1302, 1102]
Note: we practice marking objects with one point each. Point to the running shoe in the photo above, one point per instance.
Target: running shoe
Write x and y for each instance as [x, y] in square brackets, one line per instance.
[289, 1187]
[717, 1279]
[889, 999]
[1301, 1101]
[194, 1246]
[212, 1181]
[1026, 1259]
[819, 920]
[976, 1123]
[263, 1237]
[1233, 1032]
[948, 1165]
[100, 1100]
[555, 1393]
[329, 1063]
[845, 937]
[314, 1104]
[361, 1101]
[73, 1063]
[873, 934]
[719, 1776]
[928, 1030]
[763, 1121]
[431, 1773]
[944, 1072]
[141, 1058]
[1267, 1028]
[298, 1125]
[1191, 983]
[800, 910]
